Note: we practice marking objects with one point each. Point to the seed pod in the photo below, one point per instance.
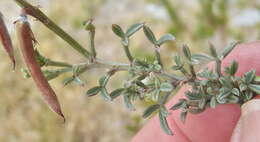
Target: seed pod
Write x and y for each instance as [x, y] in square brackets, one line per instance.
[6, 40]
[26, 47]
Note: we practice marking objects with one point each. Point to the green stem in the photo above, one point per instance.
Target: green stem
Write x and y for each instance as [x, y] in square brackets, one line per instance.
[158, 56]
[92, 43]
[218, 67]
[192, 70]
[128, 54]
[39, 15]
[57, 63]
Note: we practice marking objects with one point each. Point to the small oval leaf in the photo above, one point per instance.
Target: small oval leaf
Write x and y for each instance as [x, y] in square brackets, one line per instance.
[166, 87]
[149, 34]
[165, 38]
[150, 110]
[114, 94]
[164, 124]
[186, 52]
[93, 91]
[228, 49]
[250, 76]
[202, 57]
[255, 88]
[133, 29]
[118, 31]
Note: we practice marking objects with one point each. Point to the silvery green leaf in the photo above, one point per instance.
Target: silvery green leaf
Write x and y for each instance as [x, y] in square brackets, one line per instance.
[235, 91]
[226, 82]
[250, 76]
[165, 38]
[128, 102]
[202, 57]
[202, 103]
[186, 52]
[104, 94]
[164, 111]
[233, 68]
[248, 95]
[133, 29]
[178, 60]
[146, 81]
[178, 105]
[114, 94]
[93, 91]
[209, 90]
[194, 61]
[257, 79]
[150, 110]
[213, 51]
[227, 50]
[150, 35]
[164, 124]
[242, 87]
[233, 99]
[213, 102]
[221, 98]
[118, 31]
[166, 87]
[255, 88]
[195, 110]
[183, 116]
[103, 80]
[192, 96]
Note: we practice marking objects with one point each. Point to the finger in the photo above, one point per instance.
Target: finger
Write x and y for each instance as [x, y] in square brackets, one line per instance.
[236, 136]
[247, 130]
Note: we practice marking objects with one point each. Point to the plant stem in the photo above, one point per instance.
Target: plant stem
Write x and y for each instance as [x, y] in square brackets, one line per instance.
[192, 70]
[97, 63]
[57, 63]
[128, 54]
[158, 56]
[218, 67]
[92, 43]
[39, 15]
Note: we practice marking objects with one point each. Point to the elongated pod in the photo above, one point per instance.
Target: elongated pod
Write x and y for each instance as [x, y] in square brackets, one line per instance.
[26, 46]
[6, 40]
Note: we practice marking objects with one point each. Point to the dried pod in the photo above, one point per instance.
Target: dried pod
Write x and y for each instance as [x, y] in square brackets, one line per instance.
[6, 40]
[26, 46]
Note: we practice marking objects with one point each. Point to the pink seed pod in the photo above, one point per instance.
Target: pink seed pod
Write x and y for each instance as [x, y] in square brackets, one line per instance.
[26, 46]
[6, 40]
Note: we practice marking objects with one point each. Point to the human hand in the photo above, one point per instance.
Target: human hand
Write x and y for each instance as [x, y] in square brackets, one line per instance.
[213, 125]
[248, 126]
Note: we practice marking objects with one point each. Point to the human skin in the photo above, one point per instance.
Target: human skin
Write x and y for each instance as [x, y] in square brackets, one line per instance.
[212, 125]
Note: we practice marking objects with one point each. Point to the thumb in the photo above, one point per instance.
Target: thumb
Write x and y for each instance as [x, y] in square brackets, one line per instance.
[248, 126]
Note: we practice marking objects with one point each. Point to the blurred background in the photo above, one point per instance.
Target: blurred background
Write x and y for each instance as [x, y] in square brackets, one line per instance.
[25, 118]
